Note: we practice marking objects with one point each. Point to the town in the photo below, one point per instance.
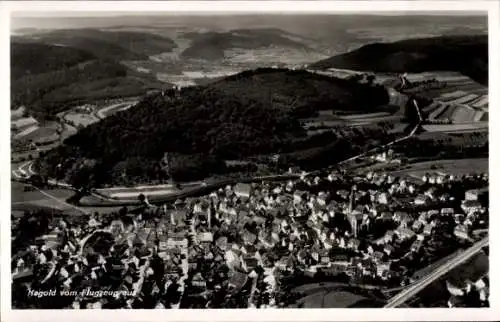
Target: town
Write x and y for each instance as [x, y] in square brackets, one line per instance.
[235, 247]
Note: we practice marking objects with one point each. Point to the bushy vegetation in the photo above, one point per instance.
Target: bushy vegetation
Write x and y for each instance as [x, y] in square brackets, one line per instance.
[203, 126]
[465, 54]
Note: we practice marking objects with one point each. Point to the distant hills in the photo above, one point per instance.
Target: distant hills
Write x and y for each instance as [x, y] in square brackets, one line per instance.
[116, 45]
[251, 113]
[212, 45]
[465, 54]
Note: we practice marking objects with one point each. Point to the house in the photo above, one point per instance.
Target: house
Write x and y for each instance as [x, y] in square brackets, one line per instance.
[176, 241]
[322, 199]
[461, 231]
[416, 246]
[198, 281]
[447, 211]
[354, 243]
[471, 206]
[382, 198]
[383, 269]
[380, 241]
[455, 301]
[299, 196]
[389, 235]
[421, 200]
[242, 190]
[404, 233]
[388, 249]
[249, 263]
[402, 217]
[237, 280]
[205, 237]
[378, 256]
[417, 226]
[472, 195]
[428, 229]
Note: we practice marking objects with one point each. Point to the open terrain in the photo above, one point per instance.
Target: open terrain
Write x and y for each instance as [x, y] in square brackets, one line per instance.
[456, 167]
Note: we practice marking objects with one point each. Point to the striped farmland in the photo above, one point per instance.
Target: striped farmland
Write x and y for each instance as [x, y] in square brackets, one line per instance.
[483, 101]
[464, 99]
[463, 115]
[451, 96]
[437, 112]
[478, 116]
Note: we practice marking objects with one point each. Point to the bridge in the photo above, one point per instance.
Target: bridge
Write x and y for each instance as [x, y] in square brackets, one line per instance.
[415, 288]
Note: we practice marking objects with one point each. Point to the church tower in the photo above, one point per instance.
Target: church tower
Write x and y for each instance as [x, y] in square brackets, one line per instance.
[350, 213]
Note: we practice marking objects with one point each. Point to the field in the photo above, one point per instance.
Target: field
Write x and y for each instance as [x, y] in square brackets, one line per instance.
[455, 167]
[460, 127]
[47, 133]
[82, 119]
[31, 200]
[326, 120]
[125, 193]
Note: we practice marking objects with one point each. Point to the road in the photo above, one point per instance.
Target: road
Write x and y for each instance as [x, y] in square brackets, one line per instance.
[415, 288]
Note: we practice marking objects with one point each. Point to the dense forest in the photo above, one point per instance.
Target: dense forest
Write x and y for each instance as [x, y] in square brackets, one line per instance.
[204, 125]
[465, 54]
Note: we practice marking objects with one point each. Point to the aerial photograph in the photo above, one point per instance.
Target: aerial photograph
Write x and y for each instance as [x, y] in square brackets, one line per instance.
[165, 160]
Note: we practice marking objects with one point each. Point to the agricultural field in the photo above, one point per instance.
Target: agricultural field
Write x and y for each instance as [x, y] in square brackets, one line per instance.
[80, 119]
[455, 167]
[132, 193]
[30, 200]
[474, 127]
[326, 120]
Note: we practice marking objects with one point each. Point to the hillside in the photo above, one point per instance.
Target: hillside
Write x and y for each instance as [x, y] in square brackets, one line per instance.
[302, 92]
[202, 126]
[48, 79]
[212, 45]
[116, 45]
[465, 54]
[36, 58]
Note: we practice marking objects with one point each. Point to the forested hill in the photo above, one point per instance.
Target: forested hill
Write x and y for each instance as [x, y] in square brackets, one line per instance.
[302, 92]
[114, 45]
[48, 79]
[254, 112]
[36, 58]
[465, 54]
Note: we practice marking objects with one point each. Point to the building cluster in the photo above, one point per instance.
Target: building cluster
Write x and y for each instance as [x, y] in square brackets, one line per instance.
[229, 248]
